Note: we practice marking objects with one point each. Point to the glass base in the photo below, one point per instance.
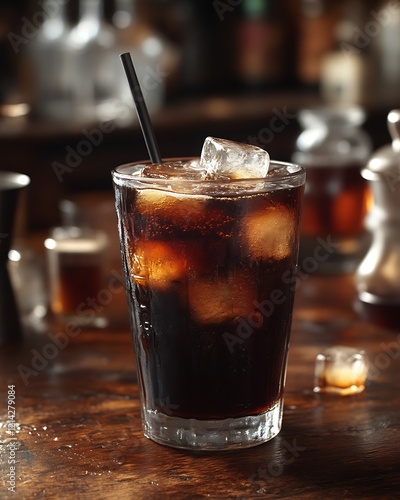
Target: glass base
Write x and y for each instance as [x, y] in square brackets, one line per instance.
[213, 435]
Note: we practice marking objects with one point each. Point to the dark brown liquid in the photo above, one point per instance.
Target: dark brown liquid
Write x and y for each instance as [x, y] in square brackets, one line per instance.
[386, 316]
[335, 201]
[76, 284]
[212, 315]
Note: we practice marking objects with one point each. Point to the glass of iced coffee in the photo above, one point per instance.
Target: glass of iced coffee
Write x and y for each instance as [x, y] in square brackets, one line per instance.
[209, 250]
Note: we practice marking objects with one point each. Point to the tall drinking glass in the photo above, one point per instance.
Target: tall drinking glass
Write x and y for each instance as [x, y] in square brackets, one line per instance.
[210, 271]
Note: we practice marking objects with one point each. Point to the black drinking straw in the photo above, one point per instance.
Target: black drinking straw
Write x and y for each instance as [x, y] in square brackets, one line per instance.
[141, 109]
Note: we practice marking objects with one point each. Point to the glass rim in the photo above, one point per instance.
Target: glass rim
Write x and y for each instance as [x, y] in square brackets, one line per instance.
[298, 172]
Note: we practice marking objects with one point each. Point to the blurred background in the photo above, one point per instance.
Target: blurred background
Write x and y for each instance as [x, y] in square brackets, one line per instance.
[239, 69]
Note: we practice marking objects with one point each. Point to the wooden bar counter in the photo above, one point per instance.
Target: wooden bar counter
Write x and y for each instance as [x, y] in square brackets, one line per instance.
[78, 432]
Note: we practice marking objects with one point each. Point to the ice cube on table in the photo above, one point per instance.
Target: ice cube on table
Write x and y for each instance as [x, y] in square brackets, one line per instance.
[341, 370]
[269, 233]
[221, 158]
[157, 264]
[214, 301]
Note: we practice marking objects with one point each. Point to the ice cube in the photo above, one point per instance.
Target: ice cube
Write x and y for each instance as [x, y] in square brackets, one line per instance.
[341, 370]
[216, 301]
[181, 209]
[269, 233]
[157, 264]
[166, 211]
[221, 158]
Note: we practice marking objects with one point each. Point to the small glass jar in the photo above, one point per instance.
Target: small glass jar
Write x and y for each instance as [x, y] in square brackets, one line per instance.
[378, 275]
[76, 276]
[333, 148]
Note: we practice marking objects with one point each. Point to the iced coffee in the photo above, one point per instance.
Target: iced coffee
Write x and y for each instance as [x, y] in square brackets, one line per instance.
[209, 249]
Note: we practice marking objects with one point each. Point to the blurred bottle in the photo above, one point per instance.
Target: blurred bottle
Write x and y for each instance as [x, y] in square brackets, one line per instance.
[51, 61]
[333, 148]
[347, 71]
[200, 58]
[96, 69]
[378, 275]
[387, 43]
[318, 19]
[260, 51]
[10, 91]
[149, 53]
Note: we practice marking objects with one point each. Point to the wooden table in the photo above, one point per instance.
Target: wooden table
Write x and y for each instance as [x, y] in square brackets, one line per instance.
[79, 433]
